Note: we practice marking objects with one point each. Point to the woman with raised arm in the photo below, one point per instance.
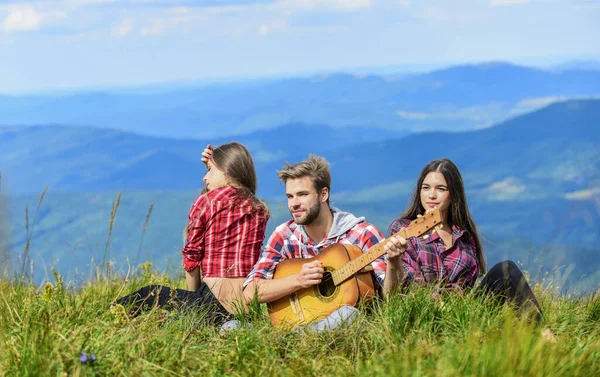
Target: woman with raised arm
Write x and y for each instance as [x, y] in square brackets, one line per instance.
[225, 230]
[452, 256]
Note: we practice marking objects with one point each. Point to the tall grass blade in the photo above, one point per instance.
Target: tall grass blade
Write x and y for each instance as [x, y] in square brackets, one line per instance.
[144, 227]
[4, 235]
[29, 230]
[113, 215]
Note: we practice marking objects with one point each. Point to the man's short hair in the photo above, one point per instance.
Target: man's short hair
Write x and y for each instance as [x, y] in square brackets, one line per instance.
[316, 168]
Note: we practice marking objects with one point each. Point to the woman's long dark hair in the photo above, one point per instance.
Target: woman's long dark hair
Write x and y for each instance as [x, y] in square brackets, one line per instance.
[458, 213]
[235, 161]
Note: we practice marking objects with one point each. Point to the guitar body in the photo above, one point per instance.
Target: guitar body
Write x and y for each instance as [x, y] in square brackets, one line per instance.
[317, 302]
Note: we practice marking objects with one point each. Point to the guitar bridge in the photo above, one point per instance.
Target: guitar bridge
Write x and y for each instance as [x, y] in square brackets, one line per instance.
[296, 308]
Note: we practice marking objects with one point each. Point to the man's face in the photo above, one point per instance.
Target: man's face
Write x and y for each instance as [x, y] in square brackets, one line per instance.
[304, 202]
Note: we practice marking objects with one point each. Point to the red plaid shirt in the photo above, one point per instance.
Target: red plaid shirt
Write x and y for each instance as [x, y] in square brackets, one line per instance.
[429, 261]
[224, 236]
[289, 241]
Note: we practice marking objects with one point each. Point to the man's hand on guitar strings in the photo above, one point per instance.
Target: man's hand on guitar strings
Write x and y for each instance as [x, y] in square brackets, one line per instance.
[310, 274]
[394, 247]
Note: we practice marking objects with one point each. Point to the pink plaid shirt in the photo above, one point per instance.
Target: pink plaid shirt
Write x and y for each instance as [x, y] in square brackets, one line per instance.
[290, 241]
[429, 261]
[225, 234]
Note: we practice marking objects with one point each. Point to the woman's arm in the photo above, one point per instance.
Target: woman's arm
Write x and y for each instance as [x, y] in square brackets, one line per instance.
[394, 275]
[193, 279]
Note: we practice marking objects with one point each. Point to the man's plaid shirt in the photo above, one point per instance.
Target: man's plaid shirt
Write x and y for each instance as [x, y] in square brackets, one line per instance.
[289, 241]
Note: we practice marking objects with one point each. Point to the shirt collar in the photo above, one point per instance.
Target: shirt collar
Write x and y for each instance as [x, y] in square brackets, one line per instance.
[456, 234]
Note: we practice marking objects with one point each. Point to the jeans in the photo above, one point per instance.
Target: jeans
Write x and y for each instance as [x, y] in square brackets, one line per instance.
[342, 316]
[157, 295]
[506, 283]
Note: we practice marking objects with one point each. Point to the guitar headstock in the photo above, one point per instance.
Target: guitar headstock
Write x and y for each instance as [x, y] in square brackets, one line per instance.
[422, 224]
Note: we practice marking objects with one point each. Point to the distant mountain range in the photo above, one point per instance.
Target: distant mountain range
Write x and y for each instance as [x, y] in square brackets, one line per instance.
[555, 144]
[532, 183]
[453, 99]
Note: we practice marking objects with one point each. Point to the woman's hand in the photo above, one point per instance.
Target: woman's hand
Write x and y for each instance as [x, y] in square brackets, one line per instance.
[207, 153]
[394, 276]
[394, 248]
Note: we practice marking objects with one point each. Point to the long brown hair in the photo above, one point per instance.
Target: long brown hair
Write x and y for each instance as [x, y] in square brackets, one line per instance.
[235, 161]
[459, 213]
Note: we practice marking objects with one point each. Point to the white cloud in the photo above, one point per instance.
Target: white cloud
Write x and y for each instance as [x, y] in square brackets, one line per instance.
[122, 29]
[507, 190]
[22, 18]
[155, 27]
[410, 115]
[510, 185]
[178, 17]
[277, 26]
[583, 194]
[538, 102]
[173, 18]
[504, 3]
[376, 193]
[291, 6]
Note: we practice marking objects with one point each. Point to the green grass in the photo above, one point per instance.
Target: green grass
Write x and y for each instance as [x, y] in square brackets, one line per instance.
[408, 335]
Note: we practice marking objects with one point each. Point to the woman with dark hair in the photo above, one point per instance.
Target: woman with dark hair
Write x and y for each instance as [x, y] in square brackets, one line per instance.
[225, 230]
[452, 256]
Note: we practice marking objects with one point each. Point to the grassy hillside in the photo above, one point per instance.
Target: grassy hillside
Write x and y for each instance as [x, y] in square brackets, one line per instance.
[45, 330]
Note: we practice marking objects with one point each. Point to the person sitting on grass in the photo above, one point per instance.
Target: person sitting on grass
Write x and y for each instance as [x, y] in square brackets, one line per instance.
[225, 231]
[314, 226]
[452, 256]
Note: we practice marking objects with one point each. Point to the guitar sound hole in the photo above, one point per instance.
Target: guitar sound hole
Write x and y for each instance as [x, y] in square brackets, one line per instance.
[327, 288]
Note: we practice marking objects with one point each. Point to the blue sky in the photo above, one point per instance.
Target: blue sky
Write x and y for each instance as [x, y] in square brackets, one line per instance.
[67, 44]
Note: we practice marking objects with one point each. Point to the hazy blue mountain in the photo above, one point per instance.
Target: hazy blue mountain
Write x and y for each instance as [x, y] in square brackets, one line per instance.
[555, 145]
[456, 98]
[473, 85]
[93, 159]
[581, 65]
[558, 143]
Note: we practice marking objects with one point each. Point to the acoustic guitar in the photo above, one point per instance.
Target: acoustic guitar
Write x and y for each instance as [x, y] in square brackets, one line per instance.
[346, 281]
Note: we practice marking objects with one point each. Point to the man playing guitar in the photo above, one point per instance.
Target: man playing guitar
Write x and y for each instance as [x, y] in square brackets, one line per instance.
[316, 225]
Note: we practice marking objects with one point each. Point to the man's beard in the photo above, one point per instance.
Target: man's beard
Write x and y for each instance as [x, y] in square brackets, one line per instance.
[311, 214]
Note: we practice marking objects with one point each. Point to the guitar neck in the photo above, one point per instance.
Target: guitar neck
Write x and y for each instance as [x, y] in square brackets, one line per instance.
[416, 228]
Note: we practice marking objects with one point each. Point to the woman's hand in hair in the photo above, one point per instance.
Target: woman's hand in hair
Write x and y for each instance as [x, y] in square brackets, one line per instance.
[394, 248]
[207, 153]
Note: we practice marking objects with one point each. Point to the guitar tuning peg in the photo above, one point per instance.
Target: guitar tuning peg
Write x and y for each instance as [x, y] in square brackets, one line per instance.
[419, 215]
[426, 236]
[433, 230]
[441, 226]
